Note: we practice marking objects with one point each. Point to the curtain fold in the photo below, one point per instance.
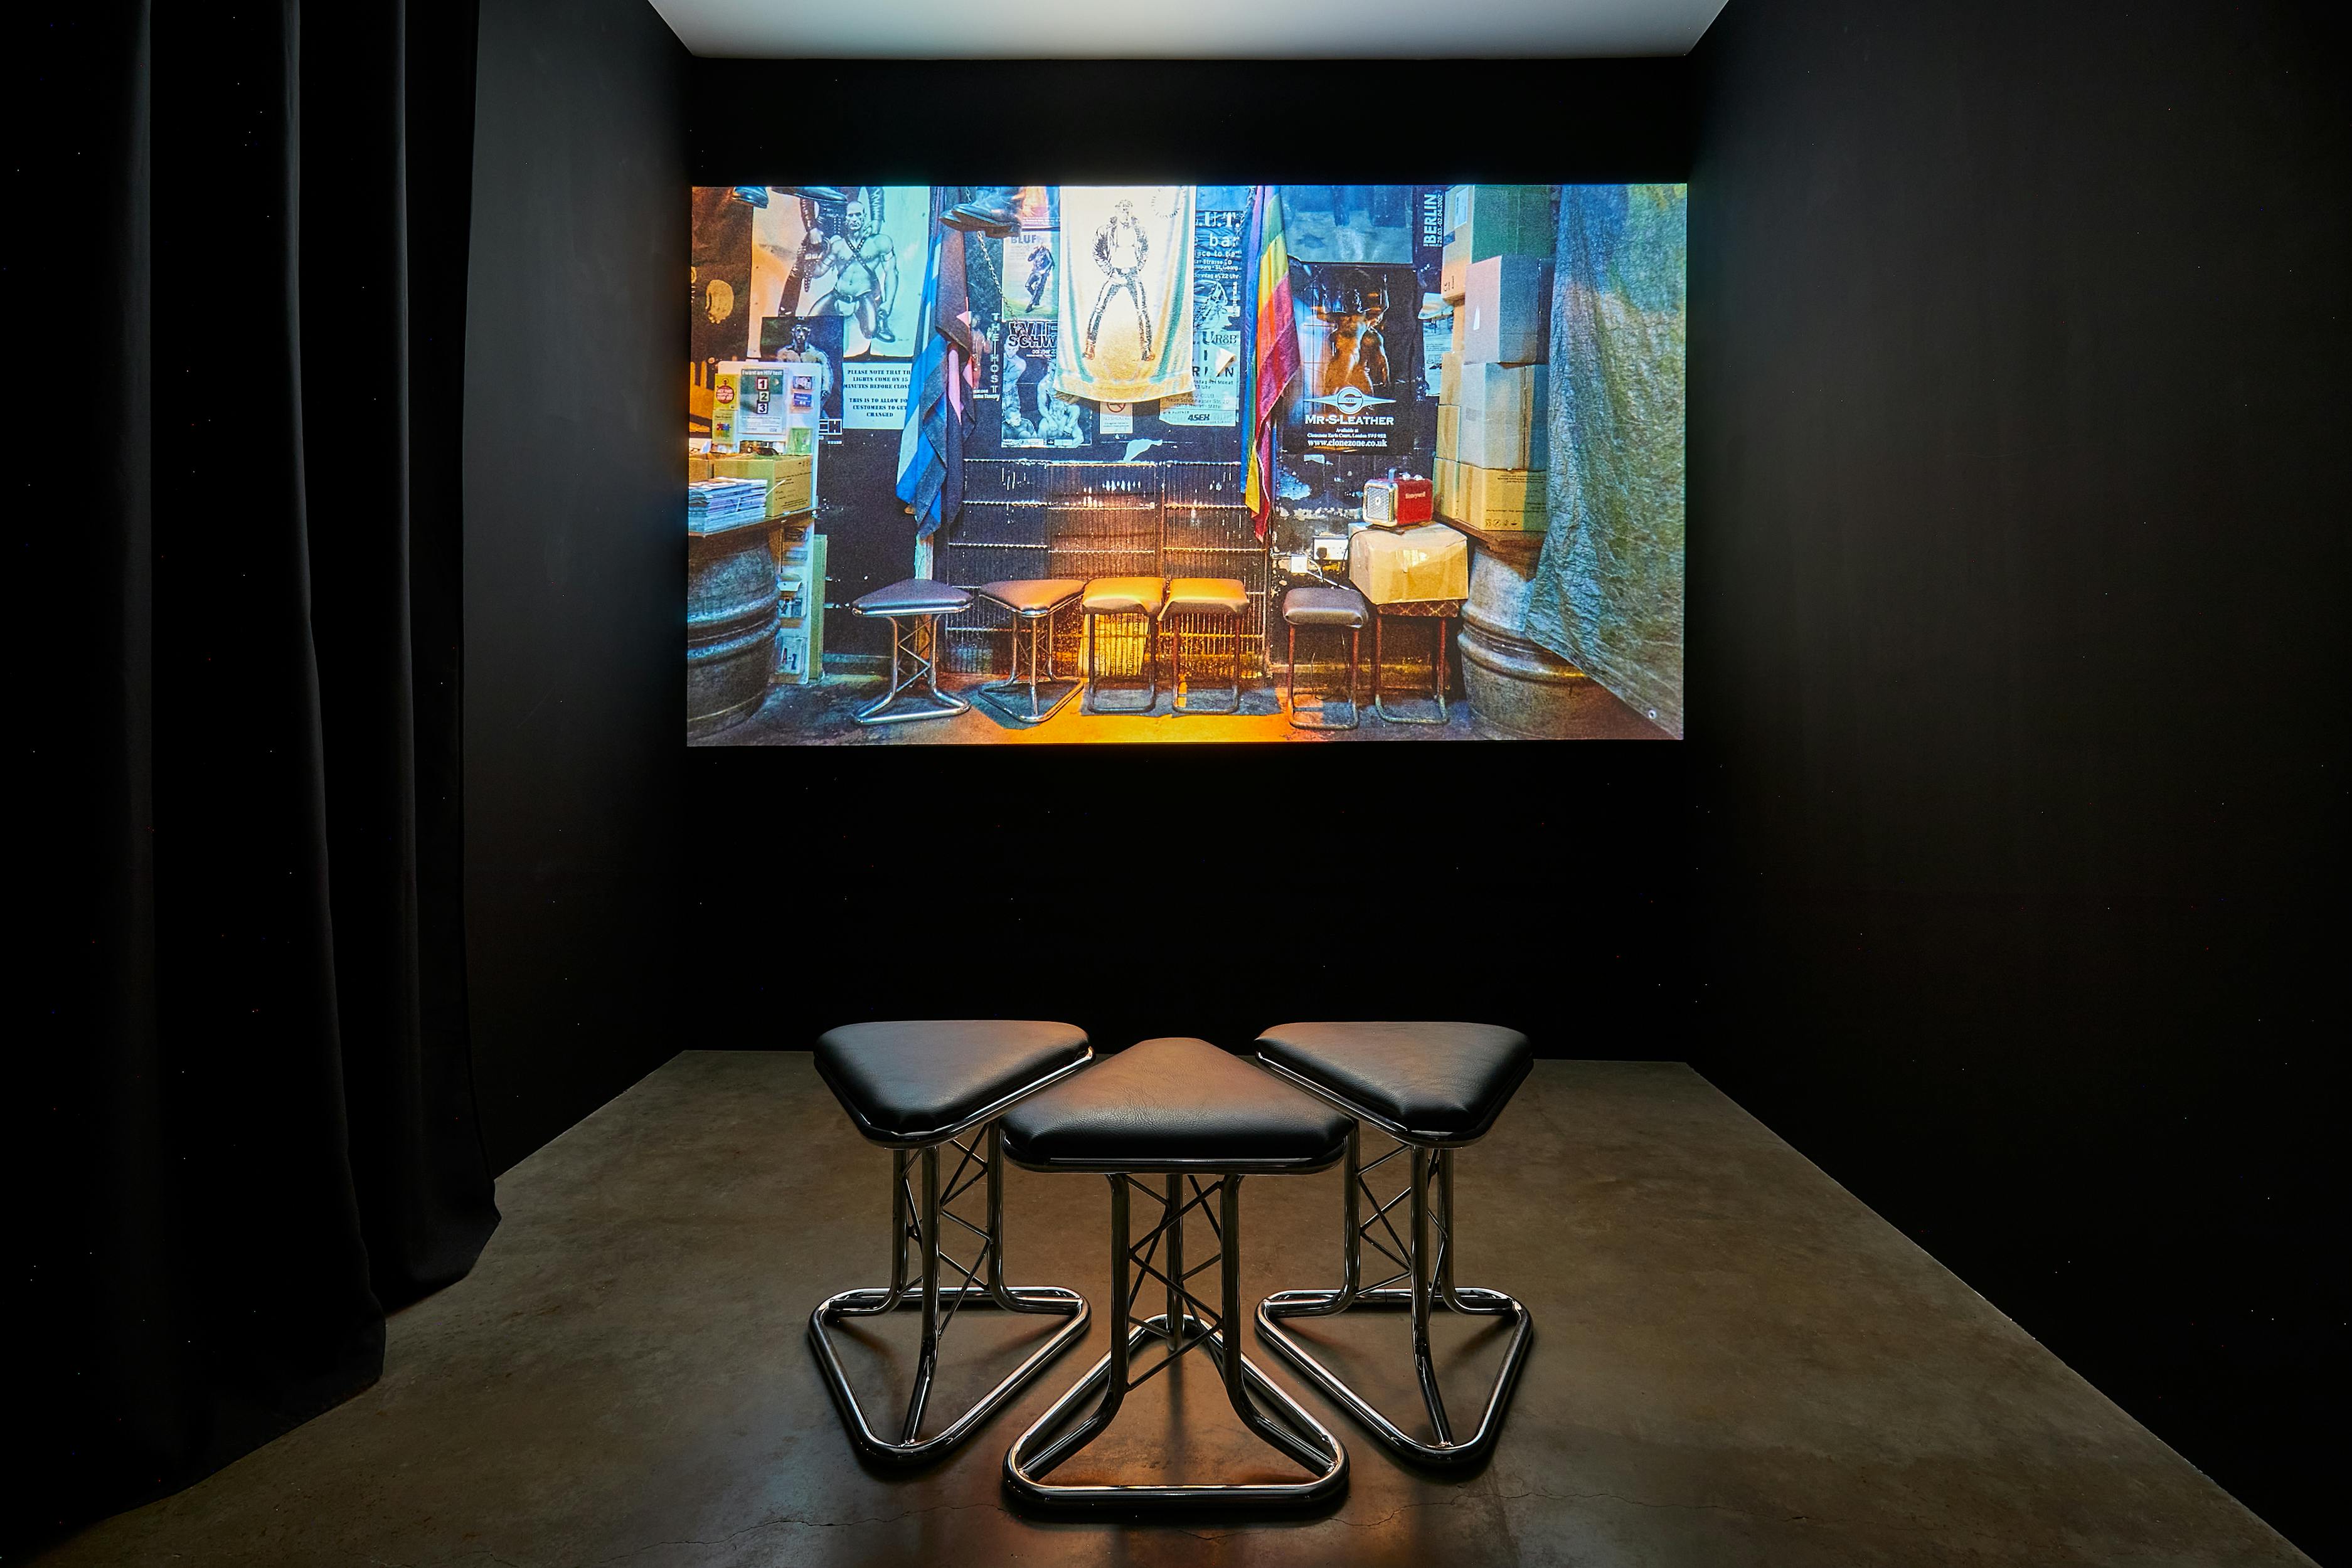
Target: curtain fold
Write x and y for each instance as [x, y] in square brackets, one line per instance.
[257, 1116]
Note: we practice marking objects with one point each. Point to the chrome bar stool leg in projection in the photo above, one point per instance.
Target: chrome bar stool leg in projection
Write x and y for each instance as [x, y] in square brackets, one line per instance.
[1211, 602]
[1033, 604]
[1431, 1088]
[1227, 1120]
[1437, 612]
[1122, 595]
[928, 1090]
[1337, 607]
[916, 609]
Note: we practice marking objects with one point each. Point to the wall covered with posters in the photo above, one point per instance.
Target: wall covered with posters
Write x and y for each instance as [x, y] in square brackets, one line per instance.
[1207, 383]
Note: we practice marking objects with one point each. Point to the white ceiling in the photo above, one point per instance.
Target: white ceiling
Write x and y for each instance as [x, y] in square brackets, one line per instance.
[1188, 29]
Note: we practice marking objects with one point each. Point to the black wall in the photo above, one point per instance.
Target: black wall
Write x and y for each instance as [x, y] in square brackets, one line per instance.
[1182, 889]
[2018, 559]
[1998, 872]
[574, 705]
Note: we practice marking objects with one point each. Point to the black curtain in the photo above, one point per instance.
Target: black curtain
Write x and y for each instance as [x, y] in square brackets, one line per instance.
[241, 280]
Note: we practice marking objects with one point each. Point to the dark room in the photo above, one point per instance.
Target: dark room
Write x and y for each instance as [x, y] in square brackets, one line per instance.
[1606, 737]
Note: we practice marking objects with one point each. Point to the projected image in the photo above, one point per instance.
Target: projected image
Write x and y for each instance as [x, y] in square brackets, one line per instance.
[1070, 465]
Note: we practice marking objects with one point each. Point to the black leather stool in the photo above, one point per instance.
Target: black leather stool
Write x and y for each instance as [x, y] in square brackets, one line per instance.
[1433, 1088]
[1182, 1110]
[1326, 606]
[917, 1088]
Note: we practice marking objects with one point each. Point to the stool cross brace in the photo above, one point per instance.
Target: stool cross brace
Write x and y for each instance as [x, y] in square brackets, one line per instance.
[1187, 1324]
[916, 650]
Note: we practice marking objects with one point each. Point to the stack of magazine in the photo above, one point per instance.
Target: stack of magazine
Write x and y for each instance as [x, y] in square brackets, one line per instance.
[713, 506]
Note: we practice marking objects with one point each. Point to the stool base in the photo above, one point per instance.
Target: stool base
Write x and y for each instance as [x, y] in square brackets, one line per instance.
[1431, 1272]
[1438, 617]
[1045, 698]
[1223, 704]
[998, 695]
[917, 1222]
[920, 654]
[873, 1299]
[1092, 703]
[1318, 720]
[1289, 1428]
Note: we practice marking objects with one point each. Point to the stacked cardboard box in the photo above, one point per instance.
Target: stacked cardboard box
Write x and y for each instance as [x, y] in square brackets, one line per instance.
[1492, 414]
[1499, 420]
[792, 481]
[1482, 221]
[1502, 500]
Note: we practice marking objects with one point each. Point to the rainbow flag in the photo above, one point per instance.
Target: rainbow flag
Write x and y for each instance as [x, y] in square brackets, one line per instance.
[1271, 363]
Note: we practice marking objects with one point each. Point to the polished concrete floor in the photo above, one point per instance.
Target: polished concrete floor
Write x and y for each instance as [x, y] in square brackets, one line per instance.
[1735, 1362]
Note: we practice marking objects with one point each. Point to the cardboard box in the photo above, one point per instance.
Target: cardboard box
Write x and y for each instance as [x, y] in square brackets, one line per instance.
[1501, 220]
[1453, 269]
[1503, 421]
[793, 487]
[1507, 309]
[1482, 221]
[1505, 500]
[1449, 377]
[1449, 431]
[1430, 561]
[1501, 391]
[1458, 319]
[792, 480]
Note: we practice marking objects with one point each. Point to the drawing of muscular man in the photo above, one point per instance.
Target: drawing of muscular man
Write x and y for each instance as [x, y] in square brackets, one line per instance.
[1121, 251]
[864, 270]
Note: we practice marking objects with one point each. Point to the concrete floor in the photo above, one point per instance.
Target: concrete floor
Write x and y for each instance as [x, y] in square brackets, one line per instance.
[1735, 1362]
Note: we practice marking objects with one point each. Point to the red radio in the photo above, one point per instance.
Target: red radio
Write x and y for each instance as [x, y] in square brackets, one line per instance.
[1413, 496]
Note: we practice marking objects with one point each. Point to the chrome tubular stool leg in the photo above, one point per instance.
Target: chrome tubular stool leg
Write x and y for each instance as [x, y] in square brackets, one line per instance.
[1430, 1088]
[1317, 721]
[917, 1222]
[1187, 1324]
[1151, 694]
[1214, 601]
[1437, 612]
[1199, 1119]
[1033, 603]
[1423, 1257]
[1341, 609]
[916, 609]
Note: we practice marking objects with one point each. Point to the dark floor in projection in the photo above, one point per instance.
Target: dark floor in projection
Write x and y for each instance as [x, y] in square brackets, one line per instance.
[1735, 1362]
[823, 715]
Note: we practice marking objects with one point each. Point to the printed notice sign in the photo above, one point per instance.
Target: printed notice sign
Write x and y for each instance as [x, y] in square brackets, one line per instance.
[874, 393]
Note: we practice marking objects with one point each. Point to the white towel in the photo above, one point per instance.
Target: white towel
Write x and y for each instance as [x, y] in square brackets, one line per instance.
[1126, 329]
